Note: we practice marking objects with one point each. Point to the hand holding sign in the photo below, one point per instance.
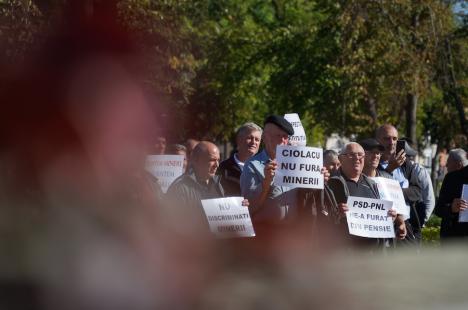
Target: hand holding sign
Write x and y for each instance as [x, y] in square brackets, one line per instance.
[369, 218]
[461, 204]
[228, 217]
[269, 171]
[299, 166]
[326, 174]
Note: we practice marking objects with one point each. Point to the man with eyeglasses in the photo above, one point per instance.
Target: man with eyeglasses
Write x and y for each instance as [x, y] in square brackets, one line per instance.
[352, 182]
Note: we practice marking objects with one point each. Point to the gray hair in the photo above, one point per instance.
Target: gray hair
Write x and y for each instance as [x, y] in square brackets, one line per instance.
[330, 154]
[459, 155]
[345, 147]
[248, 127]
[174, 148]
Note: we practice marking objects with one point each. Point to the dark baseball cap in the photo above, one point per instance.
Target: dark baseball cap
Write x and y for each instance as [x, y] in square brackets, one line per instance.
[370, 144]
[281, 122]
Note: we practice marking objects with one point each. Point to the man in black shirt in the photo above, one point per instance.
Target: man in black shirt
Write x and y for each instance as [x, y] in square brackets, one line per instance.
[450, 204]
[352, 182]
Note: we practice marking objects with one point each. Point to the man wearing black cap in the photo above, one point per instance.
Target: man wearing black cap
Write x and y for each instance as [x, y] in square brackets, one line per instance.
[373, 151]
[268, 203]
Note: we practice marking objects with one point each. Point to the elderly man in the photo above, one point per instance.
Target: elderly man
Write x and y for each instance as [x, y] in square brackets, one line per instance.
[200, 182]
[248, 138]
[331, 161]
[272, 206]
[456, 160]
[405, 173]
[352, 182]
[268, 202]
[450, 202]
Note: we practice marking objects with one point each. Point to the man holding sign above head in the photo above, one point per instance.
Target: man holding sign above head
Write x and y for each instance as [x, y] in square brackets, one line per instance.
[353, 183]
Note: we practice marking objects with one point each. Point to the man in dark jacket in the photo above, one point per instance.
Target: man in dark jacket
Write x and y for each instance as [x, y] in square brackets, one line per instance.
[450, 204]
[402, 170]
[187, 191]
[352, 182]
[248, 138]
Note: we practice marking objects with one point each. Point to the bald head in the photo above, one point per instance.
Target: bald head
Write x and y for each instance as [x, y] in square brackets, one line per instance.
[205, 160]
[387, 135]
[352, 160]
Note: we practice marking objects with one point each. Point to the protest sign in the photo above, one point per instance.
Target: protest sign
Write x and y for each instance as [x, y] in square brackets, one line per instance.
[390, 189]
[299, 137]
[166, 168]
[463, 215]
[369, 217]
[299, 166]
[228, 218]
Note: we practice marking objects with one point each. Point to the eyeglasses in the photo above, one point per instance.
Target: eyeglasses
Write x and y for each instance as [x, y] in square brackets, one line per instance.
[354, 155]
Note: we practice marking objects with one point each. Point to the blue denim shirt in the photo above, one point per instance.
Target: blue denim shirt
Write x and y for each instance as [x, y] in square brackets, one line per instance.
[281, 203]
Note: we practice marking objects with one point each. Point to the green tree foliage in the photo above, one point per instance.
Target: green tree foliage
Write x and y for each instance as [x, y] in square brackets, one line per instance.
[344, 66]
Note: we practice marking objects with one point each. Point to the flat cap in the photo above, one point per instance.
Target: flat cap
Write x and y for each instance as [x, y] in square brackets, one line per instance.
[370, 144]
[281, 122]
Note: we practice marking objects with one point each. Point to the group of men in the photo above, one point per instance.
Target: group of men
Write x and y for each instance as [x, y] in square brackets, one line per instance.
[250, 173]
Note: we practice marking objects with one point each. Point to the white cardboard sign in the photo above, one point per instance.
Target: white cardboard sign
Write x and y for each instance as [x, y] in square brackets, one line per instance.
[390, 189]
[368, 217]
[299, 136]
[166, 168]
[463, 215]
[299, 166]
[228, 218]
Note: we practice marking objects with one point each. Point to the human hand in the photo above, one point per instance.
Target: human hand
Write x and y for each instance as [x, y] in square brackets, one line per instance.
[396, 161]
[393, 214]
[269, 171]
[245, 203]
[458, 205]
[343, 208]
[326, 174]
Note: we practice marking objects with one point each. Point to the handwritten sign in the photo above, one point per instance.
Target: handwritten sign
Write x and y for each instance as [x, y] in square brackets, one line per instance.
[299, 166]
[463, 215]
[166, 168]
[299, 137]
[228, 218]
[368, 217]
[390, 189]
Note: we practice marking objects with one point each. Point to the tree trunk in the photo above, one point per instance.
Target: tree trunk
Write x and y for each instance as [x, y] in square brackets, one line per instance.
[411, 105]
[453, 88]
[372, 106]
